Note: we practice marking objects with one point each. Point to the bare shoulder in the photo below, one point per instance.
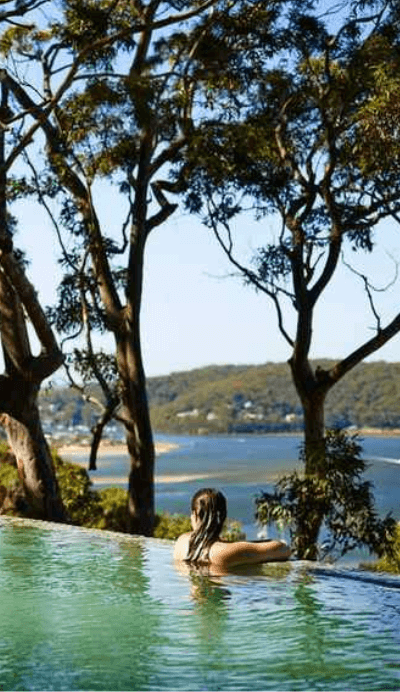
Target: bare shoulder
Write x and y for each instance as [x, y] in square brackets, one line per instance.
[245, 552]
[181, 546]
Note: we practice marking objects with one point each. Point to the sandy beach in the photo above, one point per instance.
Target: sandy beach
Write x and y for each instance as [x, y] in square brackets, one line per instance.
[106, 448]
[122, 480]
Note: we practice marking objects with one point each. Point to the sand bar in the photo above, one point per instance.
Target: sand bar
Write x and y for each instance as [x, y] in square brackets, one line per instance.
[107, 448]
[182, 478]
[70, 452]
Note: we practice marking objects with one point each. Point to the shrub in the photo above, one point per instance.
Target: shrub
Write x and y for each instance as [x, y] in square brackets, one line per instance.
[113, 503]
[6, 454]
[171, 525]
[388, 562]
[341, 501]
[79, 499]
[11, 494]
[8, 475]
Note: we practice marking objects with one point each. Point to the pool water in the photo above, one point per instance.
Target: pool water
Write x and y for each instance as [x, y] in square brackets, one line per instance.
[90, 610]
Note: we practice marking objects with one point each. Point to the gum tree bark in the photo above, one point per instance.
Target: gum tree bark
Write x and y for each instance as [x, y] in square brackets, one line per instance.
[19, 389]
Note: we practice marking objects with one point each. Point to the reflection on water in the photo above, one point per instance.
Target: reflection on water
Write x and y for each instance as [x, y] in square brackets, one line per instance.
[90, 610]
[210, 622]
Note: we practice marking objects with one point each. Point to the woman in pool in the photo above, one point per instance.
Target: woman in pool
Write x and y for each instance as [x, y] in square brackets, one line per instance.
[203, 545]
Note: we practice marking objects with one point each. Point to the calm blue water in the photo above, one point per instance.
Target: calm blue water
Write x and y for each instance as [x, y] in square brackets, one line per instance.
[90, 610]
[243, 466]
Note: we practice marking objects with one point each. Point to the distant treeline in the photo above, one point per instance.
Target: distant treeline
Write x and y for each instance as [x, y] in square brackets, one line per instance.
[245, 399]
[262, 398]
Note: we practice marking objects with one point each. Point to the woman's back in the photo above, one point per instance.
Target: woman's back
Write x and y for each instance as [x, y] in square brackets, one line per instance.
[225, 555]
[203, 545]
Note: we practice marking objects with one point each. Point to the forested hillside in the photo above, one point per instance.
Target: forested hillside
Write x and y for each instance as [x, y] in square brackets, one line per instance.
[262, 398]
[243, 398]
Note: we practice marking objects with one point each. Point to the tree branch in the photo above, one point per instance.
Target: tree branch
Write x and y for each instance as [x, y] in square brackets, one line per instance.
[82, 196]
[369, 347]
[167, 209]
[335, 244]
[249, 275]
[369, 288]
[51, 357]
[97, 432]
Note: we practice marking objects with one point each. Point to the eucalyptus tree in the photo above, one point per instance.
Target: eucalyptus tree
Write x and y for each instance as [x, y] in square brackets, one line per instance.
[128, 118]
[299, 153]
[23, 371]
[26, 25]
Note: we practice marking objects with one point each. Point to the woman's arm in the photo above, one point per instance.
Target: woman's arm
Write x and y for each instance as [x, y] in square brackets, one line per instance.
[245, 552]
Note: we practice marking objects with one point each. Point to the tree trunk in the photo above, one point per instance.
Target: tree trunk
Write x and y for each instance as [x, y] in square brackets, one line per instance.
[312, 388]
[19, 411]
[139, 436]
[34, 461]
[314, 432]
[307, 534]
[312, 517]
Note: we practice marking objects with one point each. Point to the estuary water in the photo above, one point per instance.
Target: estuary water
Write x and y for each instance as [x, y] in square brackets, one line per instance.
[242, 467]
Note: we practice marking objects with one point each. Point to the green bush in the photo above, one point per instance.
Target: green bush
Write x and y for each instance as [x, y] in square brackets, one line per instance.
[113, 503]
[171, 525]
[8, 467]
[342, 501]
[80, 500]
[8, 475]
[388, 563]
[96, 509]
[11, 495]
[6, 453]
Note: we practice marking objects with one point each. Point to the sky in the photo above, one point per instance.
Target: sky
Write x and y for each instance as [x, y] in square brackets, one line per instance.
[196, 312]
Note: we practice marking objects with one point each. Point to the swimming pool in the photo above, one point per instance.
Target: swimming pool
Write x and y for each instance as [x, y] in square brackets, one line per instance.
[90, 610]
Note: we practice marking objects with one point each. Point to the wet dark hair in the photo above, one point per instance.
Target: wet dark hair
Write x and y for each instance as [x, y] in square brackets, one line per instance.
[209, 506]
